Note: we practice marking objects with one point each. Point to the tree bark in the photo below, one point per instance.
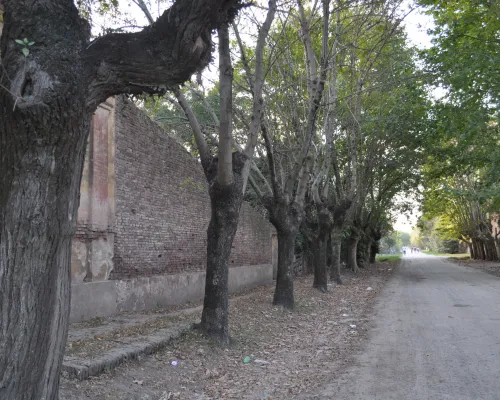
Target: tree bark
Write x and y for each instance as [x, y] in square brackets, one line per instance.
[477, 250]
[286, 218]
[374, 249]
[47, 99]
[491, 249]
[320, 269]
[352, 248]
[283, 295]
[336, 250]
[497, 248]
[226, 204]
[471, 250]
[480, 248]
[41, 164]
[363, 251]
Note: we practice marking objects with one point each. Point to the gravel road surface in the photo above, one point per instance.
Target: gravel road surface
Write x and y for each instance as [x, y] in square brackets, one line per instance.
[436, 336]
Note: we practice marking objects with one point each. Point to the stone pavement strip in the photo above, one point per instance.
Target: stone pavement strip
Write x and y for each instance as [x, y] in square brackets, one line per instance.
[100, 345]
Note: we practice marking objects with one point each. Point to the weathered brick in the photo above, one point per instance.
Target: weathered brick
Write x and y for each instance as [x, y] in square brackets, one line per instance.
[162, 207]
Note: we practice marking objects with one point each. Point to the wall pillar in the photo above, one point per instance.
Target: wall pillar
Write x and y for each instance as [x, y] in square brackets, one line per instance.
[93, 243]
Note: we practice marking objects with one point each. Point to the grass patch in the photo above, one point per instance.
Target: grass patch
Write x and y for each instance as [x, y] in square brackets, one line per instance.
[388, 257]
[458, 256]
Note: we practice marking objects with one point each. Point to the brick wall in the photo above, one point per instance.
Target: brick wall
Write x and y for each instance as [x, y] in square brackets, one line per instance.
[162, 205]
[92, 245]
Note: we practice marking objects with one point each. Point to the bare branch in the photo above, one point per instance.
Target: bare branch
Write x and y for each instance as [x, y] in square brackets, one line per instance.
[225, 166]
[199, 138]
[258, 81]
[145, 10]
[318, 87]
[303, 182]
[160, 56]
[271, 161]
[255, 187]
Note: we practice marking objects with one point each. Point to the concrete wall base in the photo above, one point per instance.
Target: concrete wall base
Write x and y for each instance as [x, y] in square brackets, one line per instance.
[102, 299]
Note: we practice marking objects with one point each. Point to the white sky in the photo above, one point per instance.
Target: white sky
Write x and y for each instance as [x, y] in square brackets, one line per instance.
[416, 25]
[406, 223]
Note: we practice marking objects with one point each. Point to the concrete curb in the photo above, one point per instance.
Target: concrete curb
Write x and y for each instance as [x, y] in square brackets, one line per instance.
[78, 368]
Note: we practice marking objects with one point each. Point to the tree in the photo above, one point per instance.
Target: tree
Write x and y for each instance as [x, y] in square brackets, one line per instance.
[379, 123]
[50, 85]
[282, 191]
[461, 173]
[227, 175]
[463, 57]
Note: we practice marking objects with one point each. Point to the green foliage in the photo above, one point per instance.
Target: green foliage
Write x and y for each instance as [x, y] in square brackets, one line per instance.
[428, 236]
[25, 43]
[449, 246]
[393, 243]
[88, 8]
[462, 175]
[388, 257]
[465, 57]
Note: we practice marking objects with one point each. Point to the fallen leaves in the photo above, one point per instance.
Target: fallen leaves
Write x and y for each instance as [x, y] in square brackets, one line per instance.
[290, 353]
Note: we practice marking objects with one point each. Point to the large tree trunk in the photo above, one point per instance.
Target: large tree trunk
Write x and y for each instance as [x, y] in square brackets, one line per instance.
[363, 252]
[480, 249]
[374, 249]
[49, 90]
[497, 248]
[475, 249]
[492, 252]
[471, 250]
[320, 269]
[336, 239]
[283, 295]
[226, 204]
[42, 153]
[352, 248]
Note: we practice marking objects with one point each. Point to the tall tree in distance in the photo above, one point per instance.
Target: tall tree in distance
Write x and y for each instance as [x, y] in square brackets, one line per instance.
[282, 188]
[52, 79]
[227, 175]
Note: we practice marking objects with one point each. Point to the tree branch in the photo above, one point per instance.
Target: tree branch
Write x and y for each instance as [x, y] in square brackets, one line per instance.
[145, 10]
[225, 166]
[318, 88]
[205, 156]
[258, 81]
[302, 182]
[271, 162]
[162, 55]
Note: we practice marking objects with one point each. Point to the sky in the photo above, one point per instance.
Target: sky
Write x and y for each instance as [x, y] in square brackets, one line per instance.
[405, 223]
[416, 26]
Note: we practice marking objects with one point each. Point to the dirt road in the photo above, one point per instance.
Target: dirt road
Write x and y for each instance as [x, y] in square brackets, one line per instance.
[436, 336]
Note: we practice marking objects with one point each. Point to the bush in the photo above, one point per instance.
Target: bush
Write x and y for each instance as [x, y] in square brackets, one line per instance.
[449, 247]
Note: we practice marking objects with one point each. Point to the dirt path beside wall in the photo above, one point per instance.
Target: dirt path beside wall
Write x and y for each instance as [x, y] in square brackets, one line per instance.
[290, 352]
